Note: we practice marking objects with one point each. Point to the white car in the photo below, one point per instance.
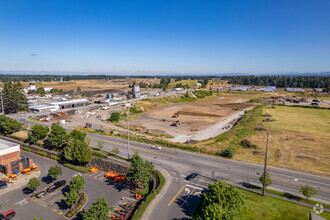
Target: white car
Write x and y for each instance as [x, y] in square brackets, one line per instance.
[156, 147]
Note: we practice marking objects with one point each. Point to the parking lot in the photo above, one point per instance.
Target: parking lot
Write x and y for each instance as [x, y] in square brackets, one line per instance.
[52, 205]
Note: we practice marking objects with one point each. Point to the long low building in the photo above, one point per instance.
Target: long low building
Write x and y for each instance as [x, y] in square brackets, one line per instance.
[70, 104]
[9, 151]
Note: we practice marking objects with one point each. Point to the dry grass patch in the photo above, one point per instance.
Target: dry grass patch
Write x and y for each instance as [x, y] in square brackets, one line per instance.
[299, 140]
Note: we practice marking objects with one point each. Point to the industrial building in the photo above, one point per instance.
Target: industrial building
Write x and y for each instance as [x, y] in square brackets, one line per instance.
[136, 92]
[294, 89]
[70, 104]
[267, 89]
[241, 88]
[11, 160]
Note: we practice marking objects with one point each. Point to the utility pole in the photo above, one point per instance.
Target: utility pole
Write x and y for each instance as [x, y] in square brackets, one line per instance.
[155, 174]
[265, 167]
[128, 132]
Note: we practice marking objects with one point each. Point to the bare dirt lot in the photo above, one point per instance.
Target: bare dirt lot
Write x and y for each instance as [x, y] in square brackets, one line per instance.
[194, 120]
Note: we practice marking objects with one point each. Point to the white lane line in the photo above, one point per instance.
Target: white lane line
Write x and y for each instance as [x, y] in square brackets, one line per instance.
[22, 202]
[290, 177]
[203, 181]
[194, 187]
[187, 197]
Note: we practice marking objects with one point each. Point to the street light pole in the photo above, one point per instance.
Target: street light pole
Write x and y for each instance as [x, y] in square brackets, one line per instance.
[265, 167]
[128, 133]
[155, 174]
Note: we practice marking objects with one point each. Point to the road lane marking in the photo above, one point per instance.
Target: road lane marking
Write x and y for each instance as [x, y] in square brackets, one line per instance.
[187, 197]
[176, 195]
[195, 187]
[22, 202]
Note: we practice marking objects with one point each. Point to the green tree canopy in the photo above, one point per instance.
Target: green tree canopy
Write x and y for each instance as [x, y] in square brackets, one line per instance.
[33, 183]
[98, 210]
[77, 183]
[72, 197]
[54, 171]
[308, 191]
[8, 125]
[41, 91]
[77, 135]
[140, 171]
[220, 202]
[58, 135]
[269, 180]
[115, 117]
[77, 151]
[38, 132]
[13, 93]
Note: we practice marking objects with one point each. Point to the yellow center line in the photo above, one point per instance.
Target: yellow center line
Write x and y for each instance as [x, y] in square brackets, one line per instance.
[176, 195]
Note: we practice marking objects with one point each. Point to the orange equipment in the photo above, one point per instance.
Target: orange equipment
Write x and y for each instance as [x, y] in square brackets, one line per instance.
[34, 167]
[13, 177]
[26, 171]
[93, 170]
[137, 196]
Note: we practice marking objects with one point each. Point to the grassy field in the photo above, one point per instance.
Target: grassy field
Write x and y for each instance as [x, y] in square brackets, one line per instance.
[190, 83]
[258, 207]
[299, 139]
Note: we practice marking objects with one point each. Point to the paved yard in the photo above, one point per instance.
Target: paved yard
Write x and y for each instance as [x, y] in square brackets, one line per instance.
[52, 205]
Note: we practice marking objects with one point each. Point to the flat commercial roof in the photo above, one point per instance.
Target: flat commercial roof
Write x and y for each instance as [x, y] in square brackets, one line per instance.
[69, 102]
[6, 144]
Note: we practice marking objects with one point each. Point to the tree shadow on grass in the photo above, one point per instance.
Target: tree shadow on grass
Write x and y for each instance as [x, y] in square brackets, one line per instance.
[188, 203]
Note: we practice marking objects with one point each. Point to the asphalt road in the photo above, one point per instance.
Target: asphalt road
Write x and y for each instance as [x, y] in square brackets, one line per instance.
[183, 195]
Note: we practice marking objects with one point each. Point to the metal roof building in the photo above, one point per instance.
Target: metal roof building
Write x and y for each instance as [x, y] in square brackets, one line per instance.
[70, 103]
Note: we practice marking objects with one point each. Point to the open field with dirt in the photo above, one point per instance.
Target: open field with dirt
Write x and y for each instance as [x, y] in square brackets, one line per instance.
[299, 139]
[197, 120]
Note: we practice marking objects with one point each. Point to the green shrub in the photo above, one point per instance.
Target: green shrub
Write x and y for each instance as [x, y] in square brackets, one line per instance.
[54, 157]
[73, 212]
[27, 149]
[44, 154]
[228, 152]
[256, 100]
[99, 155]
[77, 168]
[134, 110]
[115, 117]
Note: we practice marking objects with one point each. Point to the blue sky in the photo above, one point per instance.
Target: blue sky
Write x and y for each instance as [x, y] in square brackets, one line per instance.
[172, 36]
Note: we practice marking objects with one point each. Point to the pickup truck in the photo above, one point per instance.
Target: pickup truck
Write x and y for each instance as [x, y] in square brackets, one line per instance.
[56, 185]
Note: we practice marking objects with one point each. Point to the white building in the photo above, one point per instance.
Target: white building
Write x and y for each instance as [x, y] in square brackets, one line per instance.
[70, 104]
[47, 89]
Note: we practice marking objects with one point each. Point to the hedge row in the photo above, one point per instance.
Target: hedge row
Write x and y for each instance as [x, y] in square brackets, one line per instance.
[41, 153]
[77, 168]
[139, 213]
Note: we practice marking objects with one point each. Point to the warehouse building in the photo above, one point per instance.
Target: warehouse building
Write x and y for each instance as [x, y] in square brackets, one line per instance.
[11, 160]
[70, 104]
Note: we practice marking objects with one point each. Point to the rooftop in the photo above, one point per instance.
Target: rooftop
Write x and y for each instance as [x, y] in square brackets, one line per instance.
[6, 144]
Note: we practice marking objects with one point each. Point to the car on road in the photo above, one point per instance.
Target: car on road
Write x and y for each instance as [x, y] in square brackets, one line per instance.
[191, 176]
[156, 147]
[3, 184]
[7, 215]
[56, 185]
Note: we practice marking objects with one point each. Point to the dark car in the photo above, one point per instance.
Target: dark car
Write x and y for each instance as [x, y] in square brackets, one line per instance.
[191, 176]
[7, 215]
[56, 185]
[3, 184]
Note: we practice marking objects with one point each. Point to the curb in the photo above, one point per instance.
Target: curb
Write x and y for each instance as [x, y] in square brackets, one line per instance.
[79, 210]
[159, 196]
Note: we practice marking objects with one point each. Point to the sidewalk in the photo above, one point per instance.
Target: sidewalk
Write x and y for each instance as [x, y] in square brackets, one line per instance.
[159, 196]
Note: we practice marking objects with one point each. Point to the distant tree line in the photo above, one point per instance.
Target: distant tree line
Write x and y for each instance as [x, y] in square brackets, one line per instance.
[283, 81]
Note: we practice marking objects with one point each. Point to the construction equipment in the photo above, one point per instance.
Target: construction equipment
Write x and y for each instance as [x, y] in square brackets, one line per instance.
[88, 125]
[34, 167]
[13, 176]
[26, 171]
[93, 170]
